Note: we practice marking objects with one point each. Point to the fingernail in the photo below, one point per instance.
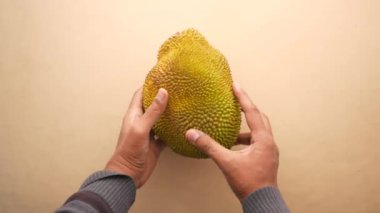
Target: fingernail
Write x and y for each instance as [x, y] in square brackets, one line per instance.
[160, 94]
[192, 135]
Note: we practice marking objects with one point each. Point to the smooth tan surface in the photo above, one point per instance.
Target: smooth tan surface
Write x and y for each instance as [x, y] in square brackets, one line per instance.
[69, 68]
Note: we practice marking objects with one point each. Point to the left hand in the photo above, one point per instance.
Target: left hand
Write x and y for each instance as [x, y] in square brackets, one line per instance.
[137, 151]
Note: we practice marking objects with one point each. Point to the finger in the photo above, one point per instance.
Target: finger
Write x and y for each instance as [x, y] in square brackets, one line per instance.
[207, 145]
[135, 107]
[267, 123]
[244, 138]
[252, 113]
[154, 111]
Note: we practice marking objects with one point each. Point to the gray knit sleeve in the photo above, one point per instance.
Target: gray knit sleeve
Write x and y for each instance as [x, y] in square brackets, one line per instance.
[265, 200]
[103, 191]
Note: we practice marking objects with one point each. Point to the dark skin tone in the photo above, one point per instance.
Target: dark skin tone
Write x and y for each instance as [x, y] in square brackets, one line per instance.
[246, 170]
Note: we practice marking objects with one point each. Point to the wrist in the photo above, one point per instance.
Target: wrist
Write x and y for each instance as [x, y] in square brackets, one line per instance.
[266, 199]
[116, 189]
[115, 165]
[244, 194]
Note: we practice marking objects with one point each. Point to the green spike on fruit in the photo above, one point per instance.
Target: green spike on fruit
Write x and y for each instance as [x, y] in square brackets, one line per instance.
[198, 80]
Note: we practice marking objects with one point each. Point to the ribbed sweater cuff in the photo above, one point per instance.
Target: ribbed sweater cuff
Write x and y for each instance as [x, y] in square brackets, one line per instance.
[265, 200]
[118, 190]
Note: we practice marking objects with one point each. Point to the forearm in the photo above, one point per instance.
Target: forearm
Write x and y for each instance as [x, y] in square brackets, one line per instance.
[103, 191]
[265, 200]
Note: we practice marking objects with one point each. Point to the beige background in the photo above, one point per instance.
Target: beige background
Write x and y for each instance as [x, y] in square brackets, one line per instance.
[68, 69]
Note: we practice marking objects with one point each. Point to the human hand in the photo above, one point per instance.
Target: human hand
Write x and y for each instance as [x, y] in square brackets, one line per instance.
[137, 151]
[249, 169]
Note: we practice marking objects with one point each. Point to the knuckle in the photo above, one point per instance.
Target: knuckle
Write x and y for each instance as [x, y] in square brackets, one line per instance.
[243, 93]
[267, 138]
[264, 135]
[126, 121]
[158, 103]
[273, 147]
[204, 143]
[252, 108]
[156, 106]
[137, 130]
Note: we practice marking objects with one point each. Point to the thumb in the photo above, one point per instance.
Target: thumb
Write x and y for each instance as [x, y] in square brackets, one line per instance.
[154, 111]
[207, 145]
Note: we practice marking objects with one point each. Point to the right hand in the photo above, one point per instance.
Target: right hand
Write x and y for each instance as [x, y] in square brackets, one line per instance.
[249, 169]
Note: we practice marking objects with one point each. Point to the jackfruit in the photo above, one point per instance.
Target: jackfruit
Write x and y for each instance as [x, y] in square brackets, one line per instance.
[198, 80]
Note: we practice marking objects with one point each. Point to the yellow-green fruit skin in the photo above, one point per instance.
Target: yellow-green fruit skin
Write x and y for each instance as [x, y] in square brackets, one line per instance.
[198, 80]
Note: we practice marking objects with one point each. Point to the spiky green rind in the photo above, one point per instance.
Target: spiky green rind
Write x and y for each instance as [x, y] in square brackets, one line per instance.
[198, 80]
